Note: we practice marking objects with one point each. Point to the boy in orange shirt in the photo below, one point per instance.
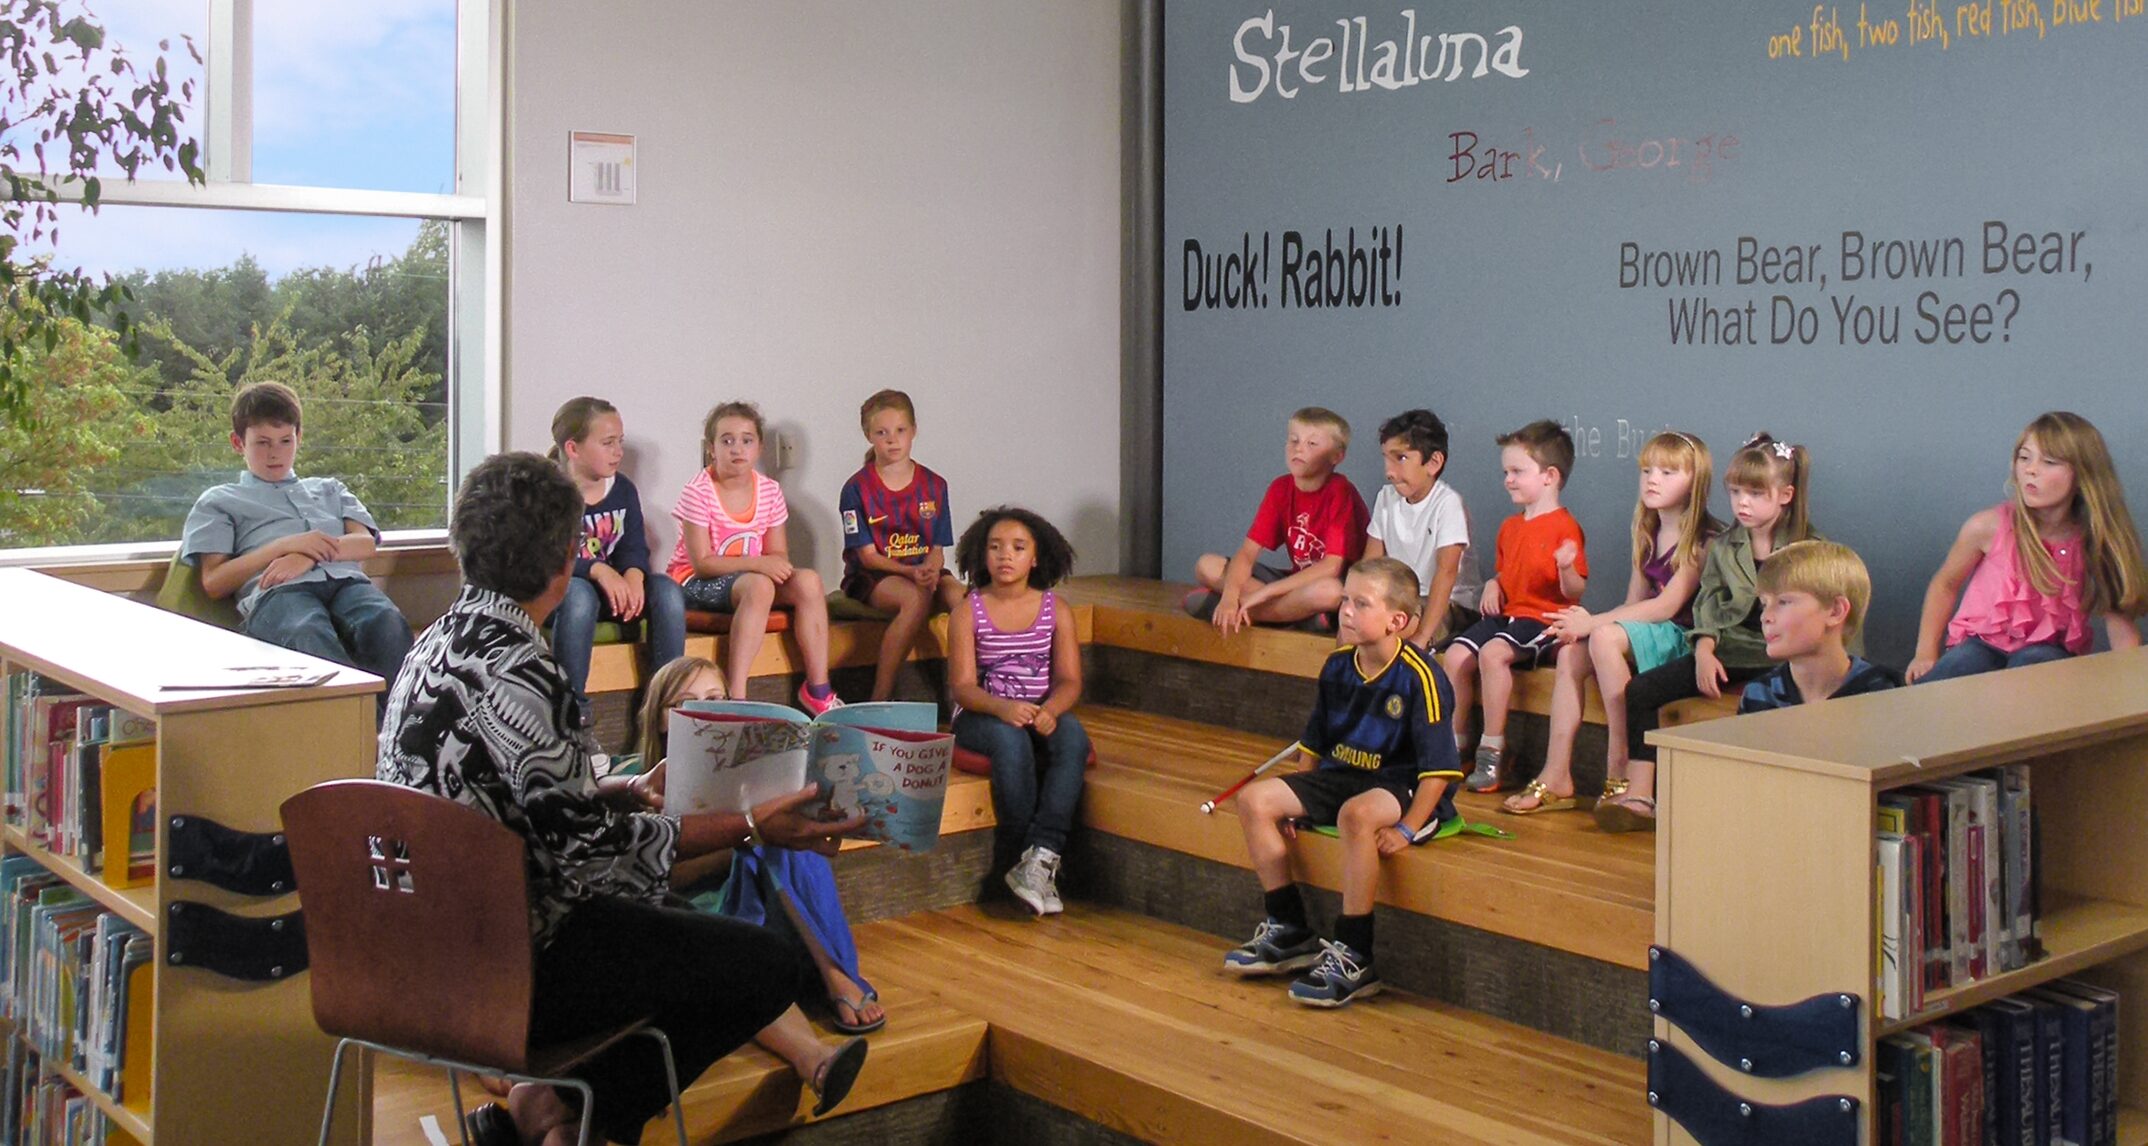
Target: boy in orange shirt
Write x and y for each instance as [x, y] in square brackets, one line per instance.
[1541, 567]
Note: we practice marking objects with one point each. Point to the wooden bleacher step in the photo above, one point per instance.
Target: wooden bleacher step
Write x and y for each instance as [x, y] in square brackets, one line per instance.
[1559, 883]
[1129, 1022]
[929, 1046]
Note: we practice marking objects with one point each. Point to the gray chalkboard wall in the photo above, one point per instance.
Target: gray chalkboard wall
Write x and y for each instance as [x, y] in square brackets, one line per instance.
[1679, 128]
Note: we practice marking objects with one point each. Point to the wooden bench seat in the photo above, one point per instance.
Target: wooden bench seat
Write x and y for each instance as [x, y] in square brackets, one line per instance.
[1147, 616]
[1560, 883]
[1129, 1022]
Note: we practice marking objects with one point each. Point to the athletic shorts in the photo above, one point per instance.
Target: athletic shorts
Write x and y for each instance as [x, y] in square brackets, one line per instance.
[1527, 637]
[1324, 791]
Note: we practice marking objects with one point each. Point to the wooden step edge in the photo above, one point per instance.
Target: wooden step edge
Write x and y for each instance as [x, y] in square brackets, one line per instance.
[1122, 1100]
[927, 1047]
[1610, 929]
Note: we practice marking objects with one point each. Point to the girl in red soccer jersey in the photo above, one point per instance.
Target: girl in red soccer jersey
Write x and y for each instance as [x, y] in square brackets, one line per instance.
[896, 529]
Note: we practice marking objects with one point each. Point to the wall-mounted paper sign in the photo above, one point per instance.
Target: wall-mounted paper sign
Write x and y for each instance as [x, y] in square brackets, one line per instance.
[600, 166]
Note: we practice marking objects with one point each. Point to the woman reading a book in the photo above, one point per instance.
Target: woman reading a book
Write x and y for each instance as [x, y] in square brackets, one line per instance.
[482, 714]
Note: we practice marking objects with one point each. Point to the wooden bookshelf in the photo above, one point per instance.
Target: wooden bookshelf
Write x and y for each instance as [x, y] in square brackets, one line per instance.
[1765, 852]
[230, 1060]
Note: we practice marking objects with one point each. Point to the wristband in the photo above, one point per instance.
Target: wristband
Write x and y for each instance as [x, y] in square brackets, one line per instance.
[753, 830]
[1417, 837]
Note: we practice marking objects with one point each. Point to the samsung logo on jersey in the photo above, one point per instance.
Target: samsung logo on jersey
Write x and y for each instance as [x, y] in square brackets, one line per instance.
[1268, 60]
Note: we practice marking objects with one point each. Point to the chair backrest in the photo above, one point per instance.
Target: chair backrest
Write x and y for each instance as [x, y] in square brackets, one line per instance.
[182, 593]
[417, 920]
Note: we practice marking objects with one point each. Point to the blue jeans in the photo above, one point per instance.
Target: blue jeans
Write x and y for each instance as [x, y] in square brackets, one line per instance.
[574, 625]
[1974, 655]
[347, 620]
[1035, 805]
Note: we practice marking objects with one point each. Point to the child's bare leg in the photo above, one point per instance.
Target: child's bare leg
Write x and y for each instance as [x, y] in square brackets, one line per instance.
[1209, 570]
[1569, 692]
[1263, 805]
[901, 596]
[950, 591]
[1360, 821]
[809, 621]
[1460, 661]
[751, 596]
[1495, 675]
[1323, 596]
[1607, 649]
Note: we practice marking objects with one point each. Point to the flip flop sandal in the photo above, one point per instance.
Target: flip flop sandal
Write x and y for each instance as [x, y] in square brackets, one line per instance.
[838, 1005]
[1546, 801]
[491, 1125]
[1614, 787]
[1622, 817]
[837, 1074]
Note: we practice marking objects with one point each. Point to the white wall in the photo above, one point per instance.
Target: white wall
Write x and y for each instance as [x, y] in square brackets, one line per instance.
[833, 197]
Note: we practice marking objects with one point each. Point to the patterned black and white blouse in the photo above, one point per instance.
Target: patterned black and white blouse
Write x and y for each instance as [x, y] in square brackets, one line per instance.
[483, 715]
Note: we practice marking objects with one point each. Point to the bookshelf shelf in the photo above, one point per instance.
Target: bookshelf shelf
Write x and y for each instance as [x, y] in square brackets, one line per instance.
[1768, 872]
[132, 1119]
[136, 905]
[2078, 934]
[225, 1056]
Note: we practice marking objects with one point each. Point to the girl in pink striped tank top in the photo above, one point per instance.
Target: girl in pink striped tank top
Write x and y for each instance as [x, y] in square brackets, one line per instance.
[1014, 668]
[2037, 567]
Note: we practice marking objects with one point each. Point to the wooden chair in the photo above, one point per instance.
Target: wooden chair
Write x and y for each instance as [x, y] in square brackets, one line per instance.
[418, 936]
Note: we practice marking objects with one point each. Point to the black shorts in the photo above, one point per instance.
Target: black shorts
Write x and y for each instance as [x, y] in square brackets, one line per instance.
[1323, 791]
[1525, 635]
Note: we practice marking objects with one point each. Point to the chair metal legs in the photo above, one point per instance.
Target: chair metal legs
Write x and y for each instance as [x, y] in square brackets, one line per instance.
[589, 1098]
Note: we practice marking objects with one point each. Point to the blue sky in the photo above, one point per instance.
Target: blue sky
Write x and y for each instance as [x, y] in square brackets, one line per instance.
[347, 93]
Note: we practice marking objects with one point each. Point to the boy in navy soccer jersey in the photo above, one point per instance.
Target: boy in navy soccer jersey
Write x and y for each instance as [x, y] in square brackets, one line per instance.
[1385, 777]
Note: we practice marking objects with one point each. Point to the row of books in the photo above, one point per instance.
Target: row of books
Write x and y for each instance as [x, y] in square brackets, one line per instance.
[77, 979]
[1958, 894]
[41, 1108]
[78, 773]
[2039, 1068]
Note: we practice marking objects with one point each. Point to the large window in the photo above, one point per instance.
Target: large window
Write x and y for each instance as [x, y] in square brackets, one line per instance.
[339, 247]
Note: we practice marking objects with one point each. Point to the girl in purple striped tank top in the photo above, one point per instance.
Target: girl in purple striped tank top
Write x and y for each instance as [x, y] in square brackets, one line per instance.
[1014, 668]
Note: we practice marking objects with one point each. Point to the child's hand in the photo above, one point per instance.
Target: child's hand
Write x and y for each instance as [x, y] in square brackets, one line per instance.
[612, 585]
[1390, 842]
[1490, 599]
[313, 545]
[1566, 554]
[633, 594]
[926, 576]
[1709, 674]
[1918, 666]
[1044, 721]
[1020, 714]
[285, 568]
[777, 569]
[1231, 614]
[1572, 624]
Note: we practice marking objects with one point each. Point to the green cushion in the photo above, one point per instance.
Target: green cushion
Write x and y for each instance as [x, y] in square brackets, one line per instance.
[182, 594]
[615, 633]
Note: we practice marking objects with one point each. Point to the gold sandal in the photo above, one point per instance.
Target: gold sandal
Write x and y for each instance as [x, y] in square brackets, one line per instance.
[1546, 801]
[1614, 787]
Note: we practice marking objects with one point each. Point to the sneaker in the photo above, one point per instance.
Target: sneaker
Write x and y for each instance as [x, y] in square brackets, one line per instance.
[1485, 778]
[815, 706]
[1274, 949]
[1340, 976]
[1034, 880]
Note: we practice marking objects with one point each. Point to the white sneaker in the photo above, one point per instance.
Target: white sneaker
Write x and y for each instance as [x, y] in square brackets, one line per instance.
[1034, 880]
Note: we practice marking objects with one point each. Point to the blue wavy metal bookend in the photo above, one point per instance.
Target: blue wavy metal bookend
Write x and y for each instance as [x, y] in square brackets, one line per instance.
[1679, 1088]
[1766, 1042]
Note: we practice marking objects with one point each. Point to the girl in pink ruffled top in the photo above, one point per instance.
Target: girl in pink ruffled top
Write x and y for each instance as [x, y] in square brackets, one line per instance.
[2038, 565]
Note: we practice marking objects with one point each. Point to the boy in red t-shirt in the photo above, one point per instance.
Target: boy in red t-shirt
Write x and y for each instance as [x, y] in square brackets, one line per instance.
[1542, 566]
[1314, 515]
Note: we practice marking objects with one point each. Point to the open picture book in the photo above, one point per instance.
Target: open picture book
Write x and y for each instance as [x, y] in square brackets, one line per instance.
[887, 760]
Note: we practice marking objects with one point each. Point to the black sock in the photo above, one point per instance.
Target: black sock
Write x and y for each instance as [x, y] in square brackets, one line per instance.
[1356, 932]
[1287, 907]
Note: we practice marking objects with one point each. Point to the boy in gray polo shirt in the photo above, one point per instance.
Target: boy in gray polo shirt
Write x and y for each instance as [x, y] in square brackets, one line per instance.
[291, 547]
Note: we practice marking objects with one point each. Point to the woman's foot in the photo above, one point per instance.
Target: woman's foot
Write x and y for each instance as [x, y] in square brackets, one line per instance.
[1628, 813]
[832, 1078]
[1537, 796]
[856, 1008]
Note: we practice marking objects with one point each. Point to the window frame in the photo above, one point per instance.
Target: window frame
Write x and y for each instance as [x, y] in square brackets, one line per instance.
[476, 262]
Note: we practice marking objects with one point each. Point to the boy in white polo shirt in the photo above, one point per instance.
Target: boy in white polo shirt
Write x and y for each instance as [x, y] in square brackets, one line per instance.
[1419, 520]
